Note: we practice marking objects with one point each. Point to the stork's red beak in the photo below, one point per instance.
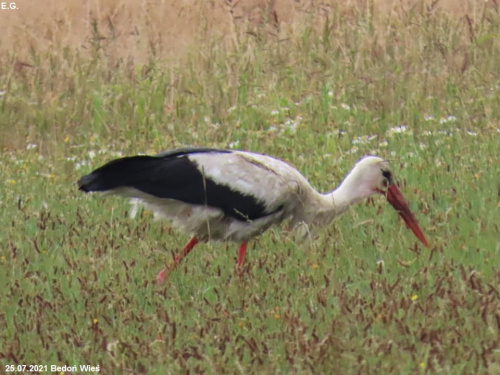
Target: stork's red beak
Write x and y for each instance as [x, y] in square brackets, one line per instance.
[397, 201]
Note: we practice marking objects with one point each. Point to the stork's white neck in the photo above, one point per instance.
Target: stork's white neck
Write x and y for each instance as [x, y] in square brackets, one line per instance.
[322, 209]
[359, 184]
[349, 193]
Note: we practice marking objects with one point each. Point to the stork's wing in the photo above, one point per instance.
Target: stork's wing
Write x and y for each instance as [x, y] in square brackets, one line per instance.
[242, 187]
[268, 181]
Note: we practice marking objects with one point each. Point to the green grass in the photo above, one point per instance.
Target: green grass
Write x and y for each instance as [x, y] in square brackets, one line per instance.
[76, 280]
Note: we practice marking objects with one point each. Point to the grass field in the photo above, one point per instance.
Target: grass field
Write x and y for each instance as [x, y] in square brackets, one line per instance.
[417, 85]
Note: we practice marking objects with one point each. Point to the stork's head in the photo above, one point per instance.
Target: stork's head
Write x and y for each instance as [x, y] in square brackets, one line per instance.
[370, 175]
[373, 175]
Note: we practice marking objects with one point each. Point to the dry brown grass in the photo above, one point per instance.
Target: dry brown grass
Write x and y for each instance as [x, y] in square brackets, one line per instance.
[135, 30]
[394, 52]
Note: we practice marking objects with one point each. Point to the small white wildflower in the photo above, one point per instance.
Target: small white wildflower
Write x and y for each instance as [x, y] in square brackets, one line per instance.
[91, 154]
[427, 132]
[330, 94]
[2, 93]
[71, 158]
[428, 117]
[234, 144]
[422, 146]
[446, 119]
[206, 119]
[393, 154]
[353, 150]
[363, 139]
[275, 112]
[383, 144]
[298, 103]
[291, 125]
[285, 108]
[118, 154]
[299, 118]
[80, 165]
[31, 146]
[398, 129]
[346, 106]
[472, 133]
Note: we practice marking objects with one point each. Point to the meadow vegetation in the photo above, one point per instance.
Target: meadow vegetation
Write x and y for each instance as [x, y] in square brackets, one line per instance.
[416, 82]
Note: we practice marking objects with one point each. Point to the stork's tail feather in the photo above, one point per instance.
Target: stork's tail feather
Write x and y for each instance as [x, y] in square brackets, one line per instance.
[119, 173]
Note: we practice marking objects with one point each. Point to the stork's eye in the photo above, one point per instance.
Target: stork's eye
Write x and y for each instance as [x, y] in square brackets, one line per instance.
[387, 177]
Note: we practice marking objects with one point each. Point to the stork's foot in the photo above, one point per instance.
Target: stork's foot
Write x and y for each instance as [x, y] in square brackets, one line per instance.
[160, 278]
[239, 271]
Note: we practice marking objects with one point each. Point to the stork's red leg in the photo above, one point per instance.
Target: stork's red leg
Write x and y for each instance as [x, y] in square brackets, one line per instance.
[189, 246]
[241, 253]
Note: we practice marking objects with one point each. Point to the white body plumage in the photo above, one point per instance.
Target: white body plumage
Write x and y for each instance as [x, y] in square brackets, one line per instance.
[284, 192]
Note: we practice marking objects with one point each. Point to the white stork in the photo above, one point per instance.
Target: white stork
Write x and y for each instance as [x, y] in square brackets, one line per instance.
[236, 195]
